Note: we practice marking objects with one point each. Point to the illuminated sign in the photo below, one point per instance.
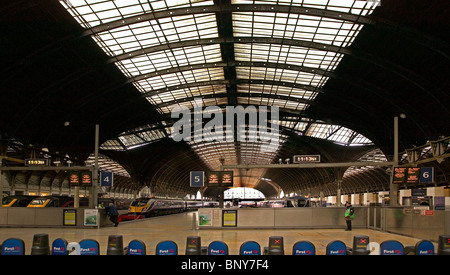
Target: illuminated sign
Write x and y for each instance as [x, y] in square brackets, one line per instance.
[213, 179]
[74, 178]
[36, 162]
[220, 179]
[399, 175]
[413, 175]
[227, 179]
[306, 158]
[86, 178]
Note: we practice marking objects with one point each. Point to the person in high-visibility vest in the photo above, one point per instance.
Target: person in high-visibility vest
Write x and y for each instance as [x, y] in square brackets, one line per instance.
[349, 215]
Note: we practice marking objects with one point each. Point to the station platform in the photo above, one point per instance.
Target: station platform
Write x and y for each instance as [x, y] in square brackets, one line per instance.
[178, 227]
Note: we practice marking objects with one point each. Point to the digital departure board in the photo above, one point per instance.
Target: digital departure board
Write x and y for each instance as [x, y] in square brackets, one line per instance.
[306, 158]
[36, 162]
[399, 175]
[220, 179]
[213, 179]
[74, 178]
[413, 175]
[226, 179]
[86, 178]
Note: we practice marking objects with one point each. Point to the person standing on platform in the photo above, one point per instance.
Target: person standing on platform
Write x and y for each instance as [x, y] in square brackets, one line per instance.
[113, 214]
[349, 215]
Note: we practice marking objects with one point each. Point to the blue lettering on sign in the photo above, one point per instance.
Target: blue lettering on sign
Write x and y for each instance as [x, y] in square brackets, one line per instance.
[13, 247]
[251, 248]
[167, 248]
[426, 175]
[217, 248]
[89, 247]
[304, 248]
[391, 248]
[59, 247]
[425, 248]
[337, 248]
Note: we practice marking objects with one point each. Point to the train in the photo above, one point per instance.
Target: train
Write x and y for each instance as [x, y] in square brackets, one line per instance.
[297, 201]
[154, 206]
[17, 200]
[65, 201]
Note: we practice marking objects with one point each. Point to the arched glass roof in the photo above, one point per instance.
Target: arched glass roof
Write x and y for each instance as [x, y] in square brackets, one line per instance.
[226, 52]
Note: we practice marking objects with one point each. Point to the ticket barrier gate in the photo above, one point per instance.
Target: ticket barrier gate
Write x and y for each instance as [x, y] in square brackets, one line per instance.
[423, 247]
[40, 245]
[115, 245]
[136, 247]
[217, 248]
[360, 243]
[391, 247]
[167, 248]
[59, 247]
[276, 246]
[193, 246]
[303, 248]
[250, 248]
[13, 246]
[336, 248]
[444, 245]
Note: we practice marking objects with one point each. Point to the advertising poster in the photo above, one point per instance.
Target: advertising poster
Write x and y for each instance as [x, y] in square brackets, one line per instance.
[70, 217]
[205, 218]
[91, 217]
[229, 218]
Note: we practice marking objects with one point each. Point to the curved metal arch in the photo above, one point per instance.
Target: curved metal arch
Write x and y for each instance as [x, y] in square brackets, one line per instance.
[227, 8]
[234, 82]
[364, 56]
[222, 95]
[437, 45]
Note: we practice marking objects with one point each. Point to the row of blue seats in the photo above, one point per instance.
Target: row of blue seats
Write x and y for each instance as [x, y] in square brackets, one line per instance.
[361, 246]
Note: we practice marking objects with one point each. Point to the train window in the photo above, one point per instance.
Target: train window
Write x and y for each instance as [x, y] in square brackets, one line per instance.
[139, 202]
[38, 201]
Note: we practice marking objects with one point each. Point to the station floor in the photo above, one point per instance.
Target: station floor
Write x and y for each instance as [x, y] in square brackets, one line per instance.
[179, 226]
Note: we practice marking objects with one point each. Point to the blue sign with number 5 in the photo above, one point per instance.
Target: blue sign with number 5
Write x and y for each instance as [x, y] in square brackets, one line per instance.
[197, 178]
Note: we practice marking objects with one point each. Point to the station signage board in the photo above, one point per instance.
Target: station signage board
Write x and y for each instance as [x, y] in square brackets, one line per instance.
[106, 179]
[213, 179]
[86, 178]
[197, 178]
[399, 175]
[413, 175]
[74, 178]
[36, 162]
[226, 178]
[306, 158]
[220, 179]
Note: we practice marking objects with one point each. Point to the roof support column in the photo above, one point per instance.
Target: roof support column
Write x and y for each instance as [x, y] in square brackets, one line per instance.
[393, 188]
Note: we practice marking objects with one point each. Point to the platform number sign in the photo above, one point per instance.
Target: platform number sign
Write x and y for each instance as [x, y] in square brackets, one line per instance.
[426, 175]
[106, 178]
[197, 178]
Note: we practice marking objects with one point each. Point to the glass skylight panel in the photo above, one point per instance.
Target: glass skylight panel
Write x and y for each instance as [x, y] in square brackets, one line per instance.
[278, 74]
[287, 54]
[171, 58]
[358, 7]
[337, 134]
[90, 13]
[294, 26]
[179, 78]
